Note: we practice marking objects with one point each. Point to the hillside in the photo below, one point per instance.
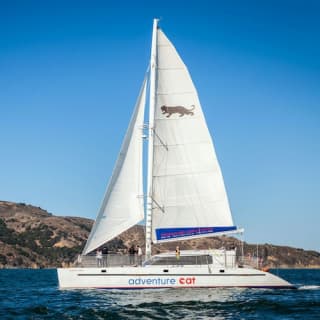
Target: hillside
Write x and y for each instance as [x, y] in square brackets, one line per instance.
[30, 237]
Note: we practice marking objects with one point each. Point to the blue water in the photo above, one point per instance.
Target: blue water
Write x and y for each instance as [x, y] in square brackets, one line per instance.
[34, 294]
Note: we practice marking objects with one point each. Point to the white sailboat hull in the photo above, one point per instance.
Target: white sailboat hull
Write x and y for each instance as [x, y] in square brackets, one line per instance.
[157, 277]
[186, 193]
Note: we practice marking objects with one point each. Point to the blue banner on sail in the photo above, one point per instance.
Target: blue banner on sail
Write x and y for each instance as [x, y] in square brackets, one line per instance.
[172, 233]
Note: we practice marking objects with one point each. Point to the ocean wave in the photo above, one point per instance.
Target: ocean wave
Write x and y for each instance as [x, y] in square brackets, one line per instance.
[309, 287]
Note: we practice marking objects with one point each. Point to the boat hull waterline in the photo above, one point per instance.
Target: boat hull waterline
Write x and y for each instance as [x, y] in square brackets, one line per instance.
[160, 278]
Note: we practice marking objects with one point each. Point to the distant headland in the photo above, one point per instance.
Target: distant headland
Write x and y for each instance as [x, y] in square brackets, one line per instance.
[31, 237]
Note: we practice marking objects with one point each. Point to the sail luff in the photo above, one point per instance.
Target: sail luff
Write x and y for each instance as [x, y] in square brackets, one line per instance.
[152, 97]
[122, 205]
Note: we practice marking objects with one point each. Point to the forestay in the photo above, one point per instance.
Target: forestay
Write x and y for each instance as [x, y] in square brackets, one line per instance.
[189, 197]
[122, 206]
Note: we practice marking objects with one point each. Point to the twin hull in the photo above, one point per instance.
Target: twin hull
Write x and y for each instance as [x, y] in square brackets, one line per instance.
[162, 277]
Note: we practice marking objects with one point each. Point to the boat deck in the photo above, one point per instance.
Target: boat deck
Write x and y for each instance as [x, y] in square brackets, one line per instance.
[217, 258]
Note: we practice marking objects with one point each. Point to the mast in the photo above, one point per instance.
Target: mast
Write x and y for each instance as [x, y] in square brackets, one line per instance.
[152, 97]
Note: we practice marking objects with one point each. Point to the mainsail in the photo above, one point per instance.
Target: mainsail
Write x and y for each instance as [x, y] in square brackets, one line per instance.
[122, 206]
[188, 192]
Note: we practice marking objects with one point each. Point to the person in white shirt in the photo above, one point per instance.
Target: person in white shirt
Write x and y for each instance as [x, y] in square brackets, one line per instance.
[99, 258]
[139, 250]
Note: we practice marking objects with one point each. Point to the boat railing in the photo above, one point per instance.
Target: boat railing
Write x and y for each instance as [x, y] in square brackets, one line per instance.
[179, 261]
[251, 261]
[121, 260]
[109, 260]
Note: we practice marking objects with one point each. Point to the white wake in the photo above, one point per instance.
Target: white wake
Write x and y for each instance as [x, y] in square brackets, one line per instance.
[310, 287]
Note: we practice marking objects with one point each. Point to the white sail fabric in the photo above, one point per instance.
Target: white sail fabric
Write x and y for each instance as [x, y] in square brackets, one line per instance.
[122, 206]
[188, 189]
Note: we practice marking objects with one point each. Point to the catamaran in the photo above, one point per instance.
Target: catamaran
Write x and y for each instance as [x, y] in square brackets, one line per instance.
[186, 196]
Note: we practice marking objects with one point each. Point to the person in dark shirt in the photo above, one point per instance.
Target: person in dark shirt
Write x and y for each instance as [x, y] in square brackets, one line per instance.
[105, 252]
[132, 252]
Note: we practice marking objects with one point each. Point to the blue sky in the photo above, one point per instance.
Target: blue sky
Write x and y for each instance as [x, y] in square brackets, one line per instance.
[70, 72]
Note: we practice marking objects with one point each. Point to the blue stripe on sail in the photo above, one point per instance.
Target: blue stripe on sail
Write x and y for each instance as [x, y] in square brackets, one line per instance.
[172, 233]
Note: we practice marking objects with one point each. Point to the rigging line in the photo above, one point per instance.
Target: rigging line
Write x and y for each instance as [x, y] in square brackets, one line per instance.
[157, 204]
[148, 69]
[161, 141]
[198, 204]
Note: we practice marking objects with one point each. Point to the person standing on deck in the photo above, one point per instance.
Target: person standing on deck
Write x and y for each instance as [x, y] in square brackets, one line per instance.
[105, 252]
[139, 250]
[132, 252]
[99, 258]
[177, 254]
